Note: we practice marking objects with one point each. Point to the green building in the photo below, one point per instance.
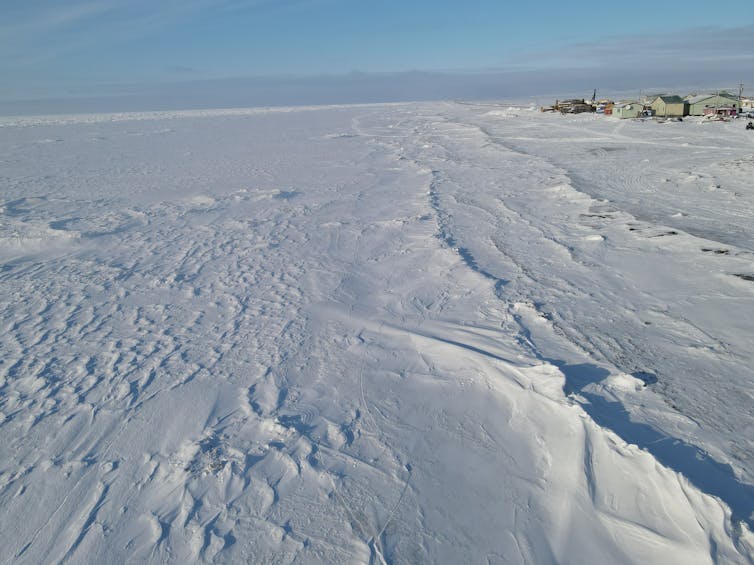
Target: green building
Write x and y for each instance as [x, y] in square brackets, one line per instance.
[628, 110]
[669, 106]
[698, 104]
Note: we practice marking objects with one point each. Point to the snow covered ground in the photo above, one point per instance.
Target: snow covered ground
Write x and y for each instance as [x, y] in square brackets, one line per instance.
[417, 333]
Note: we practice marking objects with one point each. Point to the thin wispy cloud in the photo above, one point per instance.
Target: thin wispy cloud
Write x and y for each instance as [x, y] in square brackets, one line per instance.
[687, 46]
[45, 29]
[43, 16]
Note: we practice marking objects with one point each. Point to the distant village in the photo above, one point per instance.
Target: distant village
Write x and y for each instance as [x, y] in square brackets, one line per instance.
[720, 106]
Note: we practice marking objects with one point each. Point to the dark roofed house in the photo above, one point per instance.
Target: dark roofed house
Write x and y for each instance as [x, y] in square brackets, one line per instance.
[669, 106]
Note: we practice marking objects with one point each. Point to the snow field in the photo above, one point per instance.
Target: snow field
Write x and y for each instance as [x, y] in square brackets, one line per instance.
[367, 334]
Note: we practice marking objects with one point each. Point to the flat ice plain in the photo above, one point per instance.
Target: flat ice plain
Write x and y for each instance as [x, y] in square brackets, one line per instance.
[412, 333]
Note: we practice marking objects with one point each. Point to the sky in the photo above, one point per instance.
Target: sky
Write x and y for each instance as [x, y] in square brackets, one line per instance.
[204, 53]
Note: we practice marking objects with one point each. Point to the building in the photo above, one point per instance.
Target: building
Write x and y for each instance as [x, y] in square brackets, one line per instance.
[604, 107]
[747, 107]
[721, 112]
[629, 109]
[573, 106]
[669, 107]
[705, 104]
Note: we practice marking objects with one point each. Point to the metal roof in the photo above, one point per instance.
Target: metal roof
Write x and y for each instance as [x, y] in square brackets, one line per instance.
[673, 99]
[702, 97]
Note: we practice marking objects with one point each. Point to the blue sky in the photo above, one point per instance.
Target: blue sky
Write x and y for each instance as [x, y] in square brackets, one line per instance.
[57, 49]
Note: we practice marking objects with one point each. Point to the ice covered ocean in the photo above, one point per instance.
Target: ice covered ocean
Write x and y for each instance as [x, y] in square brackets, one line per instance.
[410, 333]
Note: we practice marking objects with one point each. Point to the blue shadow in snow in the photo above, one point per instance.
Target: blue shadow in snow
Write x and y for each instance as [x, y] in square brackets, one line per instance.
[447, 237]
[708, 475]
[287, 194]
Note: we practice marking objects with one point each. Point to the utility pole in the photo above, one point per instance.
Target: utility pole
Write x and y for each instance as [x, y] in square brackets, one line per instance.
[740, 94]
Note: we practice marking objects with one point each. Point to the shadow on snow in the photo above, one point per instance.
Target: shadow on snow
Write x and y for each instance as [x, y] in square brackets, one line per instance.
[710, 476]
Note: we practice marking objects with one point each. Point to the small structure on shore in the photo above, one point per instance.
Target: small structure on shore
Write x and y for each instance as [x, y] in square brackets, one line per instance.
[628, 109]
[721, 112]
[604, 106]
[573, 106]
